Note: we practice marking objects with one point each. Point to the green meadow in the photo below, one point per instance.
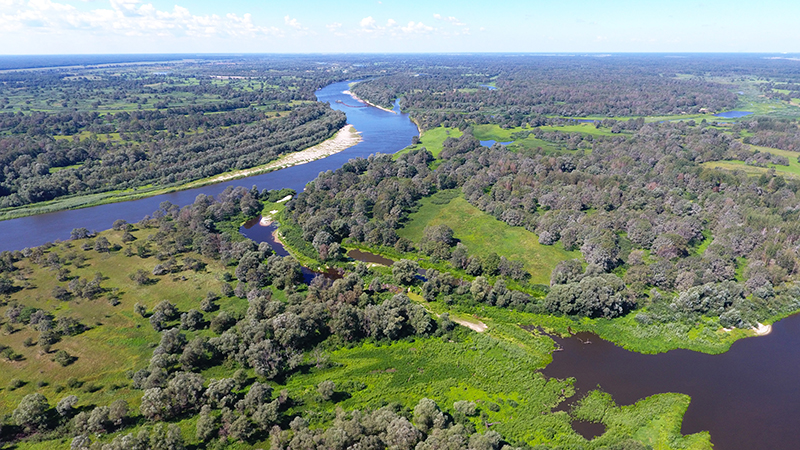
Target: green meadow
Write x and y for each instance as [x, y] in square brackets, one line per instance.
[432, 140]
[790, 171]
[483, 234]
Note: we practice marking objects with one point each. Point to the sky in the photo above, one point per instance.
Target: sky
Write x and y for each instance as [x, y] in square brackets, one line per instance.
[397, 26]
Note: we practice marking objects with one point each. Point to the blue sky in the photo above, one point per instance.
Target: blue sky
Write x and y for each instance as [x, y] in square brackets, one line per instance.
[178, 26]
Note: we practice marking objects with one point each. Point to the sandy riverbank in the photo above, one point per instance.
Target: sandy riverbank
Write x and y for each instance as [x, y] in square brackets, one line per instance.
[762, 330]
[344, 139]
[367, 103]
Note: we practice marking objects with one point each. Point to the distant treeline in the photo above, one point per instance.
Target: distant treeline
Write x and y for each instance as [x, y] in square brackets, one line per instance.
[98, 166]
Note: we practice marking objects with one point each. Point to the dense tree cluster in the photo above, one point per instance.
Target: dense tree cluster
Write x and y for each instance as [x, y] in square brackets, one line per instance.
[782, 134]
[525, 88]
[100, 166]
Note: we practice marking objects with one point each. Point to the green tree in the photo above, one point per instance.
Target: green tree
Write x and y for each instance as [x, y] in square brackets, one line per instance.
[31, 412]
[405, 271]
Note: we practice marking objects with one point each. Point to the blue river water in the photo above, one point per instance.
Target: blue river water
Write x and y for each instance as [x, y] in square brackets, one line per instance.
[382, 132]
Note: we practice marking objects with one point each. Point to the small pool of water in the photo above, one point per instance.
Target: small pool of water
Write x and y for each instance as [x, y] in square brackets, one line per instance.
[489, 87]
[589, 430]
[491, 142]
[367, 257]
[259, 233]
[733, 114]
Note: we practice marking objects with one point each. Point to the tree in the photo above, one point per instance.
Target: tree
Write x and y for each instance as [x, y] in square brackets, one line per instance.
[64, 358]
[465, 407]
[206, 426]
[102, 245]
[80, 233]
[141, 277]
[568, 271]
[192, 320]
[480, 289]
[405, 271]
[118, 412]
[140, 309]
[66, 406]
[427, 414]
[326, 389]
[31, 411]
[155, 404]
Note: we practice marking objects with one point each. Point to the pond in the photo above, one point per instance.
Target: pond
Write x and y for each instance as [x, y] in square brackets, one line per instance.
[491, 142]
[733, 114]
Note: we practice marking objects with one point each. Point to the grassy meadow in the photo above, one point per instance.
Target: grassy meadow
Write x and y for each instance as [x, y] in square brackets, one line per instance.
[117, 340]
[483, 234]
[432, 140]
[790, 171]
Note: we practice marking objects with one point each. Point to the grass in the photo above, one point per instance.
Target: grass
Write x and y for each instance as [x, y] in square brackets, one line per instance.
[790, 171]
[496, 133]
[483, 234]
[432, 140]
[118, 340]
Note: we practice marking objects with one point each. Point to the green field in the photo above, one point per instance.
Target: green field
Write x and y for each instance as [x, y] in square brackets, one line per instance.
[433, 139]
[495, 132]
[118, 340]
[483, 234]
[790, 171]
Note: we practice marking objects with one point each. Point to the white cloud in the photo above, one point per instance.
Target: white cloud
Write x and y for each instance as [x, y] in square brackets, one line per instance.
[292, 23]
[368, 23]
[415, 28]
[126, 18]
[450, 19]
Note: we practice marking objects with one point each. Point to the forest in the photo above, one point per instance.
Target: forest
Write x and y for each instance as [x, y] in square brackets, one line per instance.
[544, 196]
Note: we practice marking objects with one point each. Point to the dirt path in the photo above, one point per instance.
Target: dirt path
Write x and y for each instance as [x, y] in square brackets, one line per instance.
[344, 139]
[478, 326]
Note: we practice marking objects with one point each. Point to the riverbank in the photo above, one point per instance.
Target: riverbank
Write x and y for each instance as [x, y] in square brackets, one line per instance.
[345, 138]
[355, 97]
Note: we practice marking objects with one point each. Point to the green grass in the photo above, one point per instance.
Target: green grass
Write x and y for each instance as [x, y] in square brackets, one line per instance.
[433, 139]
[496, 133]
[790, 171]
[483, 234]
[118, 340]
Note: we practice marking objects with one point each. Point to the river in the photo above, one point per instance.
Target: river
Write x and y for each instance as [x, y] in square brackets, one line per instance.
[746, 397]
[381, 132]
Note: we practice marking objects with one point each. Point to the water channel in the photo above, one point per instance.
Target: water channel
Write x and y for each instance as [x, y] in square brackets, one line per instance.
[748, 398]
[382, 132]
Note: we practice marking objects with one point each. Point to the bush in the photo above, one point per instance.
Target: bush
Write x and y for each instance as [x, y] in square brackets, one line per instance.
[64, 358]
[465, 407]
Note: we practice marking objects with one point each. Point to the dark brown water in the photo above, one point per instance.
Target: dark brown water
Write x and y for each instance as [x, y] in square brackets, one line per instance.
[748, 397]
[253, 230]
[367, 257]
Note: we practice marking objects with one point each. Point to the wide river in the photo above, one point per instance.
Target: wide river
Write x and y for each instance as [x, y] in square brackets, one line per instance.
[382, 132]
[748, 398]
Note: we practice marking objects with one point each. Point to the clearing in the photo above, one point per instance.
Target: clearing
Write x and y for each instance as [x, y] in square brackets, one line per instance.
[483, 234]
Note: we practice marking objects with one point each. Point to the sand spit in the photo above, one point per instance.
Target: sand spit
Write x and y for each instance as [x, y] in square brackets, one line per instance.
[368, 103]
[344, 139]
